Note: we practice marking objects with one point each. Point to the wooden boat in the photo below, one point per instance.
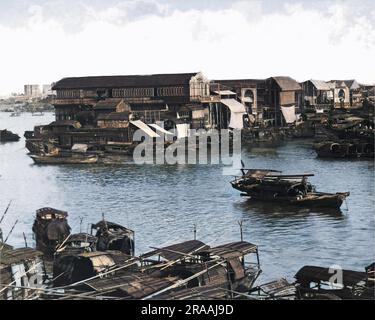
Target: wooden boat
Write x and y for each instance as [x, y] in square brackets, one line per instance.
[8, 136]
[37, 113]
[186, 270]
[346, 149]
[272, 186]
[65, 158]
[317, 283]
[120, 148]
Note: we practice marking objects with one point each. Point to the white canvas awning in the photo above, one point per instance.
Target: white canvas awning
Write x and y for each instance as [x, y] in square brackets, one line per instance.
[145, 128]
[225, 92]
[182, 130]
[160, 129]
[80, 147]
[237, 110]
[289, 114]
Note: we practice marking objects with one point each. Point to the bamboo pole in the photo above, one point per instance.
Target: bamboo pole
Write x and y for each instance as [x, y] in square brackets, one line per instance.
[180, 283]
[178, 260]
[5, 212]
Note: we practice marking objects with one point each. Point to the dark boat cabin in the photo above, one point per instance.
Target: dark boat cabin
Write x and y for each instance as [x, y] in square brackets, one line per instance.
[50, 229]
[70, 269]
[112, 236]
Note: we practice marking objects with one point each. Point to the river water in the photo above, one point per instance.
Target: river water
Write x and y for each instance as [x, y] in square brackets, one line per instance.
[163, 202]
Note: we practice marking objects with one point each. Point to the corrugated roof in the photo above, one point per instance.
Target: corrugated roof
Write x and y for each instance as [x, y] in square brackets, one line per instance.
[234, 249]
[152, 80]
[287, 83]
[178, 250]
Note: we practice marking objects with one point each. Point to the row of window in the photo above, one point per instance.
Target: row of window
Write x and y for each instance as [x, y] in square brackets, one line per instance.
[148, 92]
[68, 94]
[133, 92]
[171, 91]
[197, 90]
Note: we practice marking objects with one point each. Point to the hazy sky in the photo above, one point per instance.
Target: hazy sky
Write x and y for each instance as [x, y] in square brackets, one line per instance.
[45, 40]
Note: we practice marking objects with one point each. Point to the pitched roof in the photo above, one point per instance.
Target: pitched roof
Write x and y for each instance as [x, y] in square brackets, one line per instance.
[321, 85]
[107, 104]
[151, 80]
[338, 83]
[351, 84]
[287, 83]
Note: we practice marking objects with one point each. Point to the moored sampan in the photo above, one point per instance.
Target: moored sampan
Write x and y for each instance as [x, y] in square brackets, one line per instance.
[273, 186]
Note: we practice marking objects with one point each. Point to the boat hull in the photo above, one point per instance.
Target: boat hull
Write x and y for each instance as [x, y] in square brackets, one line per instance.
[313, 199]
[64, 160]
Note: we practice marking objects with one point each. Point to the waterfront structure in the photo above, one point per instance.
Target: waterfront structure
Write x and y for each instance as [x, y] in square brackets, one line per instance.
[250, 92]
[282, 100]
[317, 95]
[270, 102]
[150, 97]
[355, 93]
[350, 93]
[341, 93]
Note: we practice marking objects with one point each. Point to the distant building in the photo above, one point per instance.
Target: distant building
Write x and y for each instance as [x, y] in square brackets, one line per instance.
[47, 90]
[31, 90]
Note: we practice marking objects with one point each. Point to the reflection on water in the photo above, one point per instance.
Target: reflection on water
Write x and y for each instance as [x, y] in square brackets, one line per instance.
[275, 210]
[163, 202]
